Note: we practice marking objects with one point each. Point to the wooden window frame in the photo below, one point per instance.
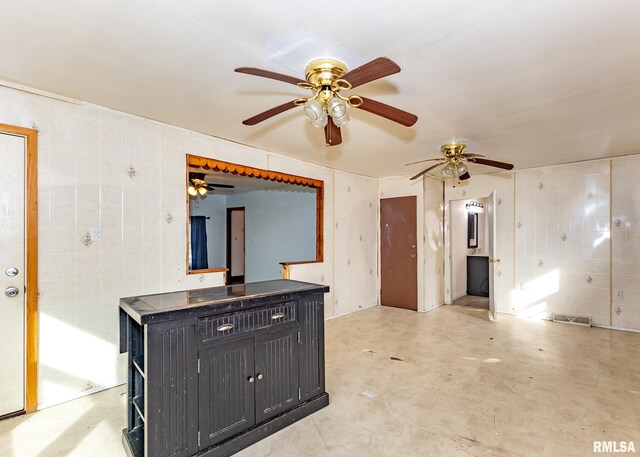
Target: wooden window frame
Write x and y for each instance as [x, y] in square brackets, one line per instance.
[271, 175]
[31, 330]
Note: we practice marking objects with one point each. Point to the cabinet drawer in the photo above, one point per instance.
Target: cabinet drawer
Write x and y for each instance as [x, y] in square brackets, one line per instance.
[214, 327]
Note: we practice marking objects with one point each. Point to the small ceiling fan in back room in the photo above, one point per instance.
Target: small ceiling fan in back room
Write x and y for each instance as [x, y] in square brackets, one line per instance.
[199, 186]
[327, 107]
[454, 159]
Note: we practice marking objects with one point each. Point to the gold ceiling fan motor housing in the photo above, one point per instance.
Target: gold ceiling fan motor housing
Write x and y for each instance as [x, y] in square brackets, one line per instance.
[453, 152]
[324, 77]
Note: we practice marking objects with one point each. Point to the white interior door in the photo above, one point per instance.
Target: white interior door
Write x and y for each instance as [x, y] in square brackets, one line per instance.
[12, 273]
[491, 241]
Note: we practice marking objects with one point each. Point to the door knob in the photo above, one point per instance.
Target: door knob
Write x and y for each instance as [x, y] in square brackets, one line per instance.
[260, 376]
[413, 256]
[250, 379]
[11, 292]
[11, 271]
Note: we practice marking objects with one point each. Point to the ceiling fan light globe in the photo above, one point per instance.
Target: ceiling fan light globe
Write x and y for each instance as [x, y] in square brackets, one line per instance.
[192, 191]
[449, 171]
[202, 191]
[461, 169]
[314, 110]
[340, 121]
[321, 121]
[337, 108]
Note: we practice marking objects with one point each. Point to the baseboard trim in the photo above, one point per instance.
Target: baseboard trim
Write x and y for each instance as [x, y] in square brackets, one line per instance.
[621, 329]
[351, 312]
[81, 394]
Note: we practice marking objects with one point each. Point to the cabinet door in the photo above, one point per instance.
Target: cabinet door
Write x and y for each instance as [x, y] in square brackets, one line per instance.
[226, 391]
[170, 400]
[276, 373]
[311, 347]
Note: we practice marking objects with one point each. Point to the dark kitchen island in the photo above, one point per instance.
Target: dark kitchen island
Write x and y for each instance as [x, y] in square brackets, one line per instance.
[212, 371]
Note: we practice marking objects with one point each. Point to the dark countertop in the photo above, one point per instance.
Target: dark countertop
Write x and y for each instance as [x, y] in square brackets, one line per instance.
[147, 309]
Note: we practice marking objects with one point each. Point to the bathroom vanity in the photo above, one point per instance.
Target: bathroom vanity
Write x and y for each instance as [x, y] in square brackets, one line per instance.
[212, 371]
[478, 275]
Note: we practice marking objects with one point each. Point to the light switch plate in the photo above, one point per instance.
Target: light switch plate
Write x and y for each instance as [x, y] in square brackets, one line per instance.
[96, 234]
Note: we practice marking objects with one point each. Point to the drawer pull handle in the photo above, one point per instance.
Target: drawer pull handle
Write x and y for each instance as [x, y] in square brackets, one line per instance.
[277, 316]
[225, 327]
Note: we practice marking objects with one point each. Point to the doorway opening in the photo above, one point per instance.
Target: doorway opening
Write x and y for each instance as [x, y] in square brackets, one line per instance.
[472, 244]
[236, 245]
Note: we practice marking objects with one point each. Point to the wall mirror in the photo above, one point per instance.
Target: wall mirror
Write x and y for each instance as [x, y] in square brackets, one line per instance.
[247, 222]
[472, 230]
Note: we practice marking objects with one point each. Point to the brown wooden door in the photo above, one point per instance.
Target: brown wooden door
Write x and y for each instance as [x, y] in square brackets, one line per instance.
[399, 265]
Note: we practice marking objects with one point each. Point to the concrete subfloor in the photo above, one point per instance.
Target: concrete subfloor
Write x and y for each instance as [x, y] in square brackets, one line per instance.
[464, 386]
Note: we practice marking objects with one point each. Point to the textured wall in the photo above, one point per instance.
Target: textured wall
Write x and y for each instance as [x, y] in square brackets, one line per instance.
[355, 242]
[101, 168]
[562, 241]
[625, 239]
[433, 243]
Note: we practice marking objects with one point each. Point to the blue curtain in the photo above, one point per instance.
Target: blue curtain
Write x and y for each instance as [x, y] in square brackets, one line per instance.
[199, 259]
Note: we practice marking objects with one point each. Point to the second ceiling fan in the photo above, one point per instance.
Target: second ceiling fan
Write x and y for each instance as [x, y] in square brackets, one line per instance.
[327, 107]
[455, 156]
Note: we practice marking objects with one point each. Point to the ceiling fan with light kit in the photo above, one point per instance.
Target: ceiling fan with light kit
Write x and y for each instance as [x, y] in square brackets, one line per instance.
[327, 107]
[198, 186]
[454, 159]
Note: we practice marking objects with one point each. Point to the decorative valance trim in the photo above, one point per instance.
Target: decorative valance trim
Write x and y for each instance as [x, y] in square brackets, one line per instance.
[243, 170]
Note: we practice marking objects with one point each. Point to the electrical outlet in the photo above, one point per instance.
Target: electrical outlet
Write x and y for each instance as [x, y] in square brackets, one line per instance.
[96, 234]
[618, 293]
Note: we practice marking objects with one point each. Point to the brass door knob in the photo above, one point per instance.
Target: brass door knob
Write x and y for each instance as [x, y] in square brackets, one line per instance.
[413, 256]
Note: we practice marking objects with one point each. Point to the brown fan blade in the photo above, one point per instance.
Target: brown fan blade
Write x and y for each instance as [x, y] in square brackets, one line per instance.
[442, 159]
[389, 112]
[471, 155]
[269, 113]
[376, 69]
[270, 75]
[425, 171]
[464, 176]
[332, 133]
[493, 163]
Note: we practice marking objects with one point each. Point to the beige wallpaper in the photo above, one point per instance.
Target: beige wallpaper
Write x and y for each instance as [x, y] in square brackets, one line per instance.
[625, 239]
[124, 174]
[562, 241]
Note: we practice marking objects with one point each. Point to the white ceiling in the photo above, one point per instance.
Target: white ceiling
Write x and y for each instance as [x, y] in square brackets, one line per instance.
[528, 82]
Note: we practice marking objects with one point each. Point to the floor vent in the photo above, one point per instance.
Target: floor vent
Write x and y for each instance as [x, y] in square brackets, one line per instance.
[584, 321]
